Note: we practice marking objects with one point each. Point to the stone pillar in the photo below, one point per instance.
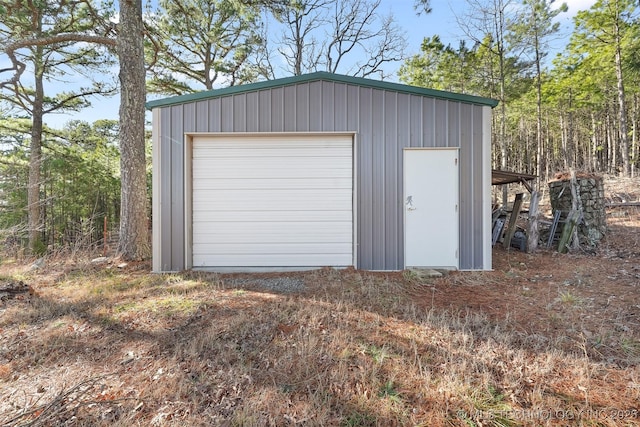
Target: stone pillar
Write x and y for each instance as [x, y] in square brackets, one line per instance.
[593, 226]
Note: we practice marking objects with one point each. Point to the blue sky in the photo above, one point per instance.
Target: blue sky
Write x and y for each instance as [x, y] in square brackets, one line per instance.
[441, 21]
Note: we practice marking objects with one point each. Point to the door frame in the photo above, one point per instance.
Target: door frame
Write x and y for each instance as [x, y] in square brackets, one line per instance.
[188, 185]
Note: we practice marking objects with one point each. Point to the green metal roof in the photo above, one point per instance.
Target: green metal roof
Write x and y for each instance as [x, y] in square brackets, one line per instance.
[318, 76]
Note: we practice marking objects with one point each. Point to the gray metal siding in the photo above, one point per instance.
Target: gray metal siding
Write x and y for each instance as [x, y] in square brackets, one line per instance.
[476, 138]
[177, 184]
[165, 190]
[385, 122]
[466, 169]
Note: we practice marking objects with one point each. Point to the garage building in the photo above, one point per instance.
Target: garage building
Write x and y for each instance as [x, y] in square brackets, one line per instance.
[321, 170]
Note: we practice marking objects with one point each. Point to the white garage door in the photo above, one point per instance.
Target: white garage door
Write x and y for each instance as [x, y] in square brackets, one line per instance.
[266, 201]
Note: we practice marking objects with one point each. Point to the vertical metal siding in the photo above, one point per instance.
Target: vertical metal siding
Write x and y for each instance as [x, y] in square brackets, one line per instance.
[415, 126]
[277, 110]
[189, 118]
[428, 123]
[226, 113]
[165, 189]
[391, 197]
[453, 129]
[326, 101]
[385, 123]
[334, 106]
[379, 176]
[477, 176]
[252, 122]
[466, 194]
[202, 116]
[353, 108]
[301, 107]
[351, 111]
[365, 200]
[405, 133]
[239, 108]
[156, 211]
[215, 115]
[265, 122]
[441, 123]
[177, 186]
[289, 107]
[316, 107]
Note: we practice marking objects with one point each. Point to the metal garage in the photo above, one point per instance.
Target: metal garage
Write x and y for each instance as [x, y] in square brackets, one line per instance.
[321, 170]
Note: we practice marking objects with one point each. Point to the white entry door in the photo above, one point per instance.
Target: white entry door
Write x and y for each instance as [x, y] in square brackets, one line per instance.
[431, 207]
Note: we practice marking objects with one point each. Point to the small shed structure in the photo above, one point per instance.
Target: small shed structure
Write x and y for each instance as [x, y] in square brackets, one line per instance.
[321, 170]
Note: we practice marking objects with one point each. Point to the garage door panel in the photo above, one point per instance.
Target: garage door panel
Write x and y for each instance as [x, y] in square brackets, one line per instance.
[266, 184]
[272, 201]
[296, 200]
[267, 238]
[273, 249]
[250, 205]
[286, 144]
[335, 161]
[271, 216]
[289, 152]
[310, 229]
[270, 260]
[223, 172]
[276, 233]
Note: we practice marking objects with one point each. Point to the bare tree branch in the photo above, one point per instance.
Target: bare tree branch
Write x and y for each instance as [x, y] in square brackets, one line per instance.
[19, 67]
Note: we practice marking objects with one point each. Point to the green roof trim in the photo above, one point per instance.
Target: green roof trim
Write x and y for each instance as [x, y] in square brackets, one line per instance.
[321, 76]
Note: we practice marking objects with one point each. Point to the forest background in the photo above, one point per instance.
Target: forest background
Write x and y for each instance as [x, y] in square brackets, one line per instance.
[61, 183]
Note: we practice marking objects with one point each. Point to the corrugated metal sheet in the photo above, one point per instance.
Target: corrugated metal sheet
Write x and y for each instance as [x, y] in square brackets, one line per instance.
[384, 121]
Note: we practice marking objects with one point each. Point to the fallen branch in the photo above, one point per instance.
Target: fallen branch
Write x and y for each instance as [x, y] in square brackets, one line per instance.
[62, 406]
[11, 289]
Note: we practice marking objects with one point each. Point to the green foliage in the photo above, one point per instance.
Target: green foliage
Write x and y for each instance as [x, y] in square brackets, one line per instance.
[463, 69]
[34, 37]
[81, 182]
[198, 43]
[81, 185]
[14, 175]
[442, 67]
[53, 62]
[578, 124]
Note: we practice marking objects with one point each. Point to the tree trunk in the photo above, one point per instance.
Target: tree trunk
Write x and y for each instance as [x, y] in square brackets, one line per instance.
[571, 148]
[564, 144]
[613, 148]
[134, 233]
[634, 136]
[532, 232]
[547, 149]
[539, 147]
[594, 144]
[622, 110]
[503, 104]
[35, 157]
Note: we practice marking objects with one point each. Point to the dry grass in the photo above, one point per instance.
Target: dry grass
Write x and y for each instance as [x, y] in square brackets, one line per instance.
[544, 339]
[110, 347]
